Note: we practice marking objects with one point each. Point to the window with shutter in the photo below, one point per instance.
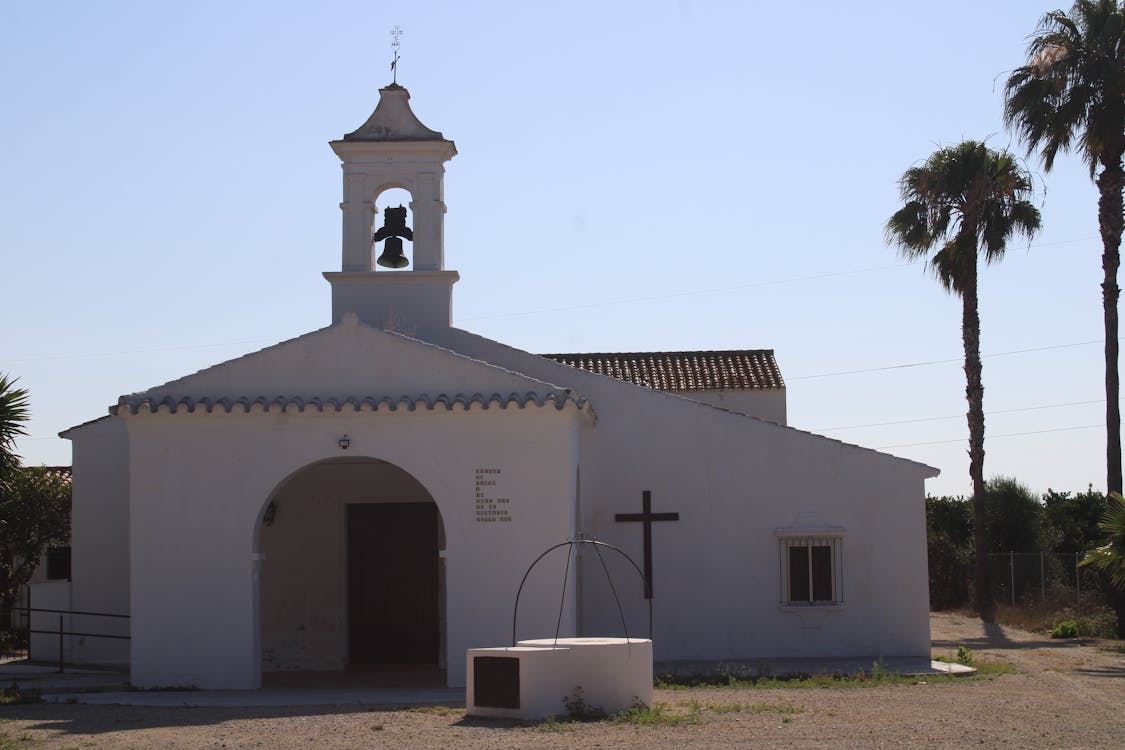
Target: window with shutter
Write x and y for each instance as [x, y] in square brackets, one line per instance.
[810, 569]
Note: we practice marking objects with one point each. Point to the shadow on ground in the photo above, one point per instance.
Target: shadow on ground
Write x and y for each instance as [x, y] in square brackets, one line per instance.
[80, 719]
[1118, 672]
[995, 638]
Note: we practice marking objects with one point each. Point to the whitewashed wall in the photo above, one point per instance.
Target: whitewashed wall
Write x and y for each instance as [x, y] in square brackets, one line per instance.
[735, 481]
[199, 484]
[764, 404]
[347, 360]
[100, 539]
[44, 645]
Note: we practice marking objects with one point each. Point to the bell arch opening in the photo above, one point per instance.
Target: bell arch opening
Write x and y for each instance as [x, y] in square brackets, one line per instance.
[393, 232]
[351, 573]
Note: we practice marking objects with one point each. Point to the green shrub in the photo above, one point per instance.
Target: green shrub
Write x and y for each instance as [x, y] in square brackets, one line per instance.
[1098, 625]
[965, 656]
[949, 550]
[1065, 629]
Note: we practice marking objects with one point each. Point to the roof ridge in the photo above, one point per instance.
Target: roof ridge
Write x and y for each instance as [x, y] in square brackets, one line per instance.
[658, 352]
[686, 370]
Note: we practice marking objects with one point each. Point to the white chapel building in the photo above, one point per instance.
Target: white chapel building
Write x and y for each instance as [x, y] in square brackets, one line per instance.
[372, 493]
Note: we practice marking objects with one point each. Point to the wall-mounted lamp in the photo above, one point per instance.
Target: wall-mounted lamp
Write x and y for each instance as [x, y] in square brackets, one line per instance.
[344, 442]
[270, 514]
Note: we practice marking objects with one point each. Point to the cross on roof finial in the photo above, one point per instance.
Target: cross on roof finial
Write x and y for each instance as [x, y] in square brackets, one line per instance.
[396, 32]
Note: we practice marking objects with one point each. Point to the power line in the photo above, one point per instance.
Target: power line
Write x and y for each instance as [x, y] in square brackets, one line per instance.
[797, 377]
[603, 304]
[609, 303]
[1065, 242]
[941, 361]
[989, 437]
[775, 282]
[141, 351]
[956, 416]
[694, 292]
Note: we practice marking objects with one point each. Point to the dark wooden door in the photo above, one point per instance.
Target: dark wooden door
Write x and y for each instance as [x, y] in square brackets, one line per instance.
[393, 583]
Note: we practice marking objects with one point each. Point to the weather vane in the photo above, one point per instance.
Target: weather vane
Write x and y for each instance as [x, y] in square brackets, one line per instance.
[396, 32]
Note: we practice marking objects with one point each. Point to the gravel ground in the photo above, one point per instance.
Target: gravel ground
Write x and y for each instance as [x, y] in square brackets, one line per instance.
[1064, 695]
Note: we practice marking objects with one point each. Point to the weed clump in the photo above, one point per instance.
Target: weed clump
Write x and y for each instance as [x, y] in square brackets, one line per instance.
[577, 709]
[1065, 629]
[15, 695]
[660, 714]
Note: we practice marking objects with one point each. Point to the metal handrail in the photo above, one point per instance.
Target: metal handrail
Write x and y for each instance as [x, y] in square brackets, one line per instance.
[61, 632]
[68, 612]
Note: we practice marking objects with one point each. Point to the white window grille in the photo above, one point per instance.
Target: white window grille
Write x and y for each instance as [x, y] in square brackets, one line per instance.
[812, 568]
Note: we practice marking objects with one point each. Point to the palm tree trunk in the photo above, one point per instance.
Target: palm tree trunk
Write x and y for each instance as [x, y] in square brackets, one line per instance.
[974, 392]
[1110, 183]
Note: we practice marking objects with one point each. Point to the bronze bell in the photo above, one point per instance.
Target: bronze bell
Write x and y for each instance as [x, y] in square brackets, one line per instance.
[392, 256]
[394, 229]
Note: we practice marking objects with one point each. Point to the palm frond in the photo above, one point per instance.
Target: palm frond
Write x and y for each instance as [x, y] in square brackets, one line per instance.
[1070, 94]
[949, 265]
[14, 411]
[1110, 557]
[960, 199]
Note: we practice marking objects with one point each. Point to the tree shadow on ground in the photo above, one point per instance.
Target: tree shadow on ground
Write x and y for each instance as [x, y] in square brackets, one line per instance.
[100, 719]
[994, 638]
[1110, 672]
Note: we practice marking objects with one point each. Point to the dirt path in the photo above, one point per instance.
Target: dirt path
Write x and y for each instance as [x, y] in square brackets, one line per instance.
[1064, 695]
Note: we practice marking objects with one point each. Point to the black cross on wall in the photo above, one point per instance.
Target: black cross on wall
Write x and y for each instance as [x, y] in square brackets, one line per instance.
[646, 517]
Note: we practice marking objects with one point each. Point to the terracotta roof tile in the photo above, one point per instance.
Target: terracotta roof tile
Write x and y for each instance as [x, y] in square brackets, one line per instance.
[733, 370]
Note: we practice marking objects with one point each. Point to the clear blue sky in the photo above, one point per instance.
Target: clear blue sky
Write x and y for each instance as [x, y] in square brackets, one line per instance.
[631, 176]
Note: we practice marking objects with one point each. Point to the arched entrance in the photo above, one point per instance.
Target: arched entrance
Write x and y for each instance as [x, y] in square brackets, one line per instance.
[392, 583]
[351, 576]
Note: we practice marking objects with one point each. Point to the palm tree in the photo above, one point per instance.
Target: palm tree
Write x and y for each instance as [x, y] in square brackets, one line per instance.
[1071, 95]
[962, 200]
[13, 413]
[1110, 557]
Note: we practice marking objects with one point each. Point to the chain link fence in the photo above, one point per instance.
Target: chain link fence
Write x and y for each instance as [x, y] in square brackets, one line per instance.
[1030, 590]
[1028, 579]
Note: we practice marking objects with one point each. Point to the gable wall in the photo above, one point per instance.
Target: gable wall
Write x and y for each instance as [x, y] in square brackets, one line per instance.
[347, 360]
[199, 484]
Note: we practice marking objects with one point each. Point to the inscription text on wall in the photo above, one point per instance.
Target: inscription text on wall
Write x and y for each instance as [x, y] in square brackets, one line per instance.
[491, 508]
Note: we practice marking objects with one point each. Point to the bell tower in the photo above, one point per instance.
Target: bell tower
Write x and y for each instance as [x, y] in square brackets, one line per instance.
[393, 149]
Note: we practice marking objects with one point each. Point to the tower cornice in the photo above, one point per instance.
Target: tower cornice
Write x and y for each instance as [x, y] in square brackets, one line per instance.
[393, 120]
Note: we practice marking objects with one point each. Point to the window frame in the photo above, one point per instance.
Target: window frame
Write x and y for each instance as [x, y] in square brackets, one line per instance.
[57, 563]
[791, 540]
